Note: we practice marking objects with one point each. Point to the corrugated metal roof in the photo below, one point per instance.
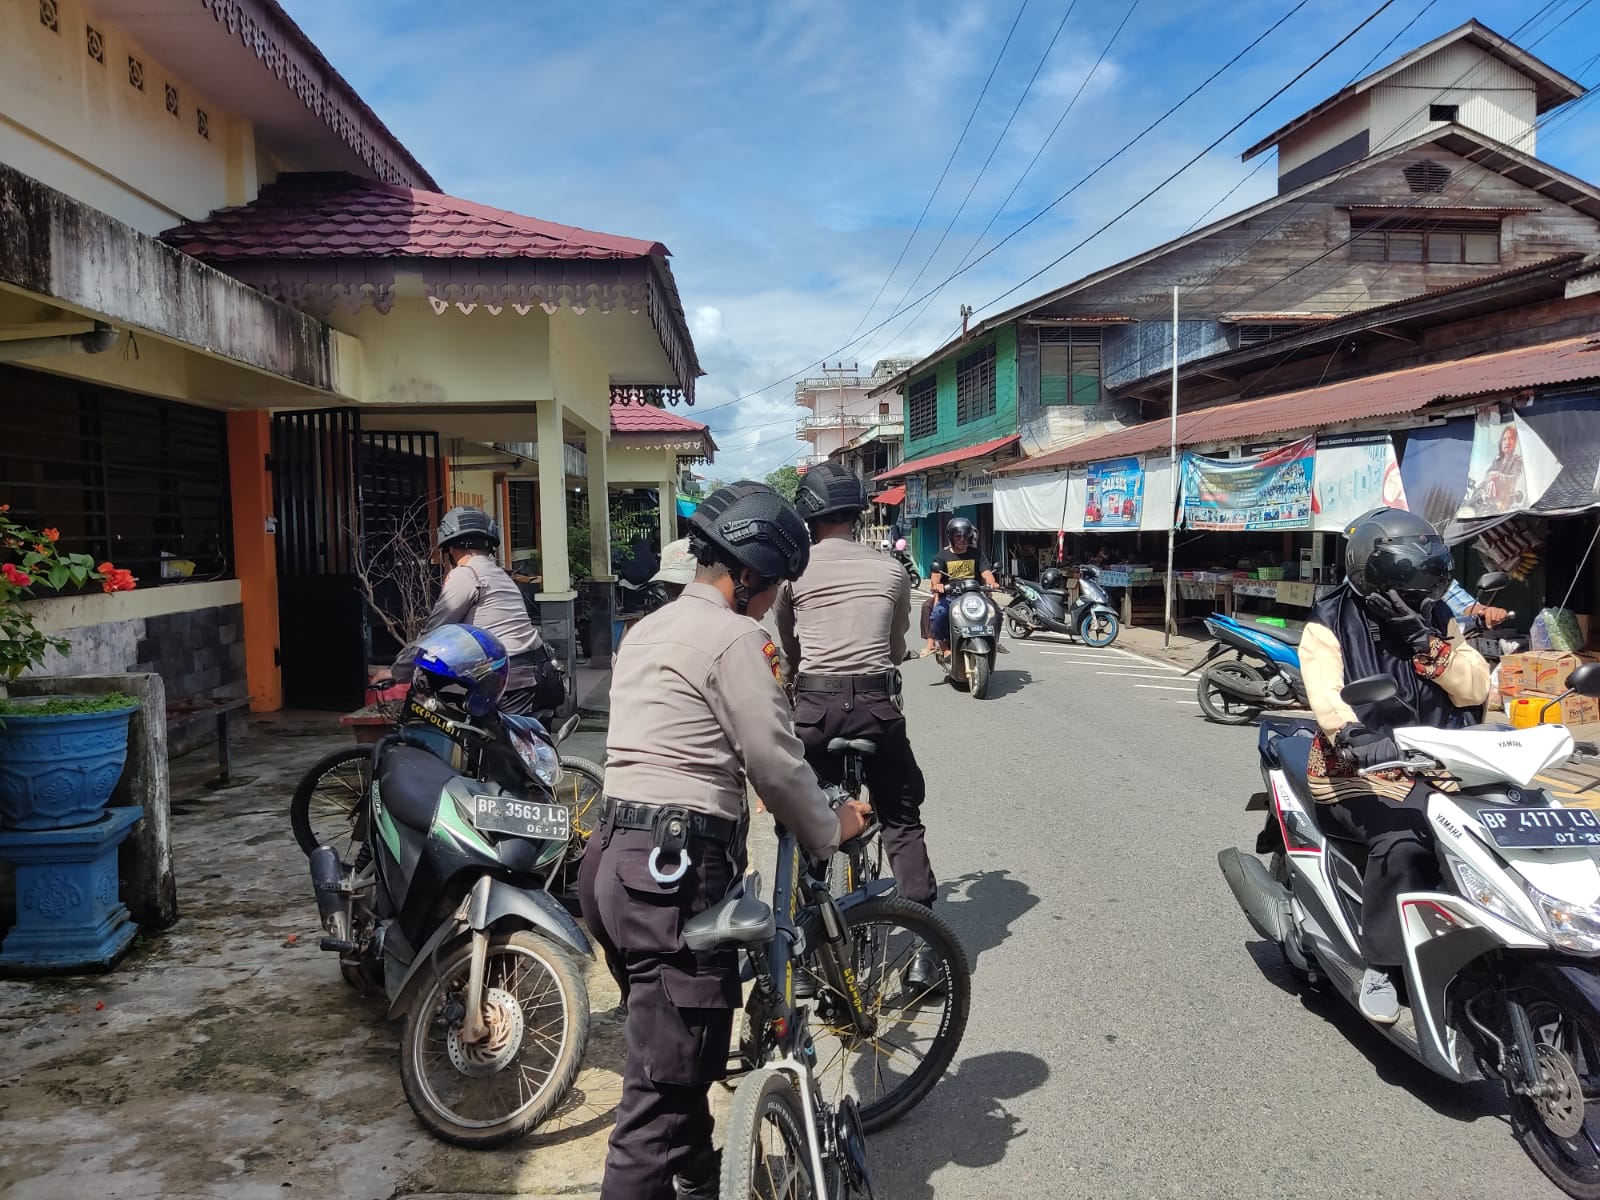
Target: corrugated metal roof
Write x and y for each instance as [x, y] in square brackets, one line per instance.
[1388, 394]
[929, 462]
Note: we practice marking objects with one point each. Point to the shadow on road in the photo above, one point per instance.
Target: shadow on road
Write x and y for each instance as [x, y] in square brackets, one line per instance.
[1008, 680]
[981, 907]
[1459, 1102]
[969, 1103]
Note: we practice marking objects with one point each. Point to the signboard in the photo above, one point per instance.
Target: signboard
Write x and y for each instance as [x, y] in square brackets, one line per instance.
[916, 503]
[941, 494]
[1354, 476]
[973, 487]
[1263, 491]
[1510, 467]
[1115, 494]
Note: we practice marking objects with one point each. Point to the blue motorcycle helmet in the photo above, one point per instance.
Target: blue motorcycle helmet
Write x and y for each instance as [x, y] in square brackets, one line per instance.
[462, 657]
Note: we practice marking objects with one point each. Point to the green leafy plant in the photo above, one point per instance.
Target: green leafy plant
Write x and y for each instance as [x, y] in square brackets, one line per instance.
[59, 706]
[30, 560]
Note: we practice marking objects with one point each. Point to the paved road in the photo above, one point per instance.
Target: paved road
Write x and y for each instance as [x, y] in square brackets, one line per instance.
[1131, 1036]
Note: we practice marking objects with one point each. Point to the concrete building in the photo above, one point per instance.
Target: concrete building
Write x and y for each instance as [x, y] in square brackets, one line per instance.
[841, 407]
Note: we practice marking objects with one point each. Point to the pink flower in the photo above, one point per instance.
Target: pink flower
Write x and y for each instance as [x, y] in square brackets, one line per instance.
[15, 577]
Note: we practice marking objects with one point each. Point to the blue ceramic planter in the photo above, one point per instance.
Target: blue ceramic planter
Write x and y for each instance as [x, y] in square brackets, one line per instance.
[59, 771]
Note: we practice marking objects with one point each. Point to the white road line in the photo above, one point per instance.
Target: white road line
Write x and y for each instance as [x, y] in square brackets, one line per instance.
[1134, 675]
[1157, 687]
[1196, 703]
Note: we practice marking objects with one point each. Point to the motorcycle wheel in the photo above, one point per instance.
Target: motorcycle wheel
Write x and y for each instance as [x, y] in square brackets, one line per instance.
[978, 675]
[915, 576]
[1560, 1132]
[328, 799]
[485, 1096]
[1219, 705]
[1099, 629]
[1017, 625]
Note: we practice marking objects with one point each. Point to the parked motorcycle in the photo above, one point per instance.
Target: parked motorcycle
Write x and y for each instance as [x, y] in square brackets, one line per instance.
[1043, 605]
[974, 636]
[904, 559]
[643, 597]
[447, 915]
[1263, 673]
[1502, 968]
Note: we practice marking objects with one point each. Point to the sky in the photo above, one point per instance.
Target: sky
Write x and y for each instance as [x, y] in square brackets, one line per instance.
[786, 150]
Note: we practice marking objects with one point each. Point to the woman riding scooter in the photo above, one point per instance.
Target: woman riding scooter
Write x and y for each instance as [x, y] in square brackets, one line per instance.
[1386, 618]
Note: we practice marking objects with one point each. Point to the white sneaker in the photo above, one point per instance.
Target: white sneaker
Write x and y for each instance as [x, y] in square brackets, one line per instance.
[1379, 1003]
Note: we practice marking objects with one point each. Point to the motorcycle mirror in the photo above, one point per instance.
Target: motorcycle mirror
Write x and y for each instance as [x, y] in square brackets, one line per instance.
[1375, 689]
[1088, 573]
[567, 726]
[1586, 680]
[1493, 581]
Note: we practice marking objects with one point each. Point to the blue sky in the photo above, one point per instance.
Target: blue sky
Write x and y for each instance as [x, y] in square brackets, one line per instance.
[784, 151]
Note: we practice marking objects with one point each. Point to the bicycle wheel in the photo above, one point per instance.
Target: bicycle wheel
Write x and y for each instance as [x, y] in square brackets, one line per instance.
[329, 799]
[847, 872]
[765, 1154]
[582, 789]
[919, 1028]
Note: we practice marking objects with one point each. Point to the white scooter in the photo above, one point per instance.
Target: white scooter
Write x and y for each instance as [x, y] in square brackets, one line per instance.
[1502, 963]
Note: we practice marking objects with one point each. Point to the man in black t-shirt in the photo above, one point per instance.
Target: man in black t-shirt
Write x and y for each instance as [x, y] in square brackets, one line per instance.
[961, 558]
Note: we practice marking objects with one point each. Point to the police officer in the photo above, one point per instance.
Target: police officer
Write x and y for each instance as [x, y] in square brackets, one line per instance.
[697, 711]
[843, 629]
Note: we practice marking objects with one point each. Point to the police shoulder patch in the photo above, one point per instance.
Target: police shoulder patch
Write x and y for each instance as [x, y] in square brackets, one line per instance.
[771, 651]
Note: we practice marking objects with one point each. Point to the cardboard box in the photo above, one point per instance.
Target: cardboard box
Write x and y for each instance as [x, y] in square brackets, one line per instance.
[1515, 674]
[1574, 710]
[1547, 670]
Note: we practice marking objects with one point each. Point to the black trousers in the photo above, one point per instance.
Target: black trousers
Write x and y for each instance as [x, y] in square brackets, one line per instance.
[1400, 858]
[533, 688]
[892, 774]
[680, 1007]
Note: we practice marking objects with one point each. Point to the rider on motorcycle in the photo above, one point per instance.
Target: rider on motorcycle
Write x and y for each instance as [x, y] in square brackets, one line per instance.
[961, 558]
[1387, 618]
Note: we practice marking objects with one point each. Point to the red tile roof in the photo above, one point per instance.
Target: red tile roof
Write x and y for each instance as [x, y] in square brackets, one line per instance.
[646, 418]
[1388, 394]
[928, 462]
[326, 215]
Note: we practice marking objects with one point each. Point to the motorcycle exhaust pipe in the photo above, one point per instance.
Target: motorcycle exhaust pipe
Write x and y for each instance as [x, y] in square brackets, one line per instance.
[1251, 689]
[1264, 900]
[327, 881]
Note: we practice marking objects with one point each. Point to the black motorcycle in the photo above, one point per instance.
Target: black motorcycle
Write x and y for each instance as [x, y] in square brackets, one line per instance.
[974, 636]
[904, 559]
[1043, 605]
[446, 913]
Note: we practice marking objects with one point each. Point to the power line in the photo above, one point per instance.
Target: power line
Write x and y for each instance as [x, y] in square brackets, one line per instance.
[977, 104]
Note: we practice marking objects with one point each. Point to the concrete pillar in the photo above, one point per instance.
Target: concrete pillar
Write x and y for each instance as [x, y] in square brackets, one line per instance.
[600, 591]
[668, 491]
[553, 566]
[255, 554]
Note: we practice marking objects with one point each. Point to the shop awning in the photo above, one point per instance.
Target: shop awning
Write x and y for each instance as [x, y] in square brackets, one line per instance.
[1388, 394]
[894, 495]
[948, 458]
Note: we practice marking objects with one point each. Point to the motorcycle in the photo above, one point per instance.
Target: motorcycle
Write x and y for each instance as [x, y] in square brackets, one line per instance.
[904, 559]
[1043, 605]
[1502, 968]
[1264, 672]
[446, 913]
[643, 597]
[974, 636]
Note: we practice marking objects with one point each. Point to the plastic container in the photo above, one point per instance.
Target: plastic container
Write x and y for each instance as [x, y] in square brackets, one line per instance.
[1524, 712]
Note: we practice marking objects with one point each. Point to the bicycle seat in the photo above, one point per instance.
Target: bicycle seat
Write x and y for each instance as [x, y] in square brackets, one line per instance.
[851, 746]
[741, 918]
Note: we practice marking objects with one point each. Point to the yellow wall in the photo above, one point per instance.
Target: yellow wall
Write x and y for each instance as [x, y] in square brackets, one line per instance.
[631, 467]
[81, 128]
[62, 614]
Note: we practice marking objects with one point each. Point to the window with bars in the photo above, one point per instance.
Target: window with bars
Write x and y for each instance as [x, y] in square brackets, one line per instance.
[922, 408]
[975, 386]
[1069, 366]
[1387, 239]
[139, 481]
[524, 535]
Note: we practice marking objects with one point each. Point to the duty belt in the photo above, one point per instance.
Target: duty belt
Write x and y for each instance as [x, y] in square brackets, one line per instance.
[625, 814]
[887, 681]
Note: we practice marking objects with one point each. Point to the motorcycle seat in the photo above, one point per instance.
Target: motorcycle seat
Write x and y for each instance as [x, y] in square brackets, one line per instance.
[410, 780]
[852, 746]
[1289, 637]
[1292, 753]
[741, 918]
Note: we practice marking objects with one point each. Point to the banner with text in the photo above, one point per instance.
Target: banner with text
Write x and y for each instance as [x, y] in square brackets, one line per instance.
[1115, 494]
[1354, 475]
[916, 504]
[1262, 491]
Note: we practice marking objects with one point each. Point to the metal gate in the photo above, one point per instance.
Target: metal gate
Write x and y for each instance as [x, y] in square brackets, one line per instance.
[337, 491]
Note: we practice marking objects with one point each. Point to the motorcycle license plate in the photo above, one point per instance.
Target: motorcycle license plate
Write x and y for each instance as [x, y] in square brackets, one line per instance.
[522, 818]
[1541, 828]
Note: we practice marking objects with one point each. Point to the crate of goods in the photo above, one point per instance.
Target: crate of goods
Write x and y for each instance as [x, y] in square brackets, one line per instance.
[1111, 577]
[1296, 593]
[1272, 573]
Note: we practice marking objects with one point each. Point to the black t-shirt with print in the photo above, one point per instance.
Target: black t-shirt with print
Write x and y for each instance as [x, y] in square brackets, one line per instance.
[970, 565]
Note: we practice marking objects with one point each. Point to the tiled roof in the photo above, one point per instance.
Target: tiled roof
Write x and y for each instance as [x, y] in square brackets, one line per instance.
[929, 461]
[1388, 394]
[646, 418]
[325, 215]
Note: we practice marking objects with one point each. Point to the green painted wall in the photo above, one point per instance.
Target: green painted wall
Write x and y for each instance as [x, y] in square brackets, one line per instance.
[1003, 422]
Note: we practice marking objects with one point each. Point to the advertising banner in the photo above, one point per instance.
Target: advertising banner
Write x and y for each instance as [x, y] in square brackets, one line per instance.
[1354, 475]
[916, 497]
[1510, 467]
[1263, 491]
[1115, 494]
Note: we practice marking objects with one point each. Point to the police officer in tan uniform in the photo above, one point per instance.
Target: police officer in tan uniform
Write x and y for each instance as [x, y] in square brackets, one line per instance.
[843, 629]
[697, 712]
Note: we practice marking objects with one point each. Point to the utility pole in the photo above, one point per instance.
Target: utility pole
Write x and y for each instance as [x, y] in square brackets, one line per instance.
[1172, 472]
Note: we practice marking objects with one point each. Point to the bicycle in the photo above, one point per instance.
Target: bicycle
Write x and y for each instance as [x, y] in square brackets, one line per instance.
[862, 862]
[783, 1130]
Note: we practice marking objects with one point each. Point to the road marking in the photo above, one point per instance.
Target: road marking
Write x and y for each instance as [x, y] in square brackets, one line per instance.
[1196, 703]
[1134, 675]
[1156, 687]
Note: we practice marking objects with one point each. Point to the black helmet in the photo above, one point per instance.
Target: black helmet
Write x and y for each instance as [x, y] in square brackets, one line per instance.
[962, 526]
[1052, 577]
[461, 524]
[830, 491]
[749, 524]
[1390, 549]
